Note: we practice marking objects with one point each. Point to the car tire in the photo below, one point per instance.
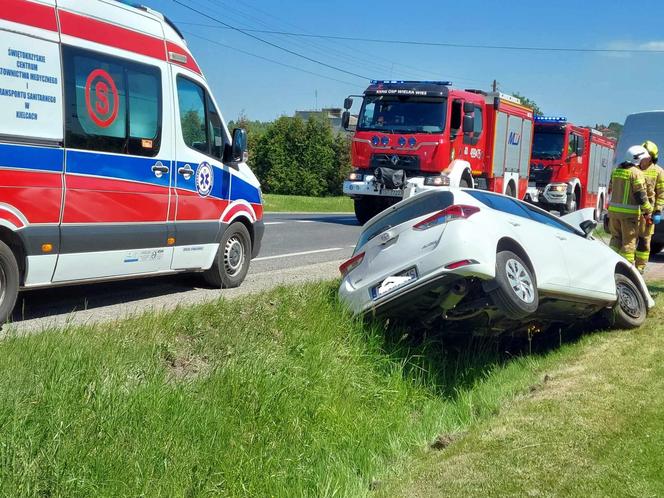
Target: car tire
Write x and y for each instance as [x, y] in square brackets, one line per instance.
[630, 311]
[516, 292]
[233, 257]
[9, 282]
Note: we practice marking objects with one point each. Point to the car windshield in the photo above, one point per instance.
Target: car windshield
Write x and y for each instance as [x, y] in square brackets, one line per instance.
[548, 144]
[392, 114]
[422, 205]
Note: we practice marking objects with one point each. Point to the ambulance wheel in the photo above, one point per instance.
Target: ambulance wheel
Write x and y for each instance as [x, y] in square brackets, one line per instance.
[630, 310]
[9, 280]
[233, 258]
[516, 288]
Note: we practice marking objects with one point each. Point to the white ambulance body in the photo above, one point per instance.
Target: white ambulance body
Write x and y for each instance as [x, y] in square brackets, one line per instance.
[114, 158]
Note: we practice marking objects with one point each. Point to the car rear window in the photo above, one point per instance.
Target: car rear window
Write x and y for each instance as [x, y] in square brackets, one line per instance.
[422, 205]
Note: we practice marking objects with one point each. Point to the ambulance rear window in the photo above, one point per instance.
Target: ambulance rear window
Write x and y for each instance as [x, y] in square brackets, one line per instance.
[111, 104]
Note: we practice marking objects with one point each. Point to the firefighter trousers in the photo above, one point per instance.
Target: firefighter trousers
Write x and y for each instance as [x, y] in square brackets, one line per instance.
[624, 233]
[642, 254]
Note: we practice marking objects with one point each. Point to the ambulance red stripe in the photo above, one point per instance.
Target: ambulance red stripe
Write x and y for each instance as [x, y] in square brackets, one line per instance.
[29, 13]
[177, 49]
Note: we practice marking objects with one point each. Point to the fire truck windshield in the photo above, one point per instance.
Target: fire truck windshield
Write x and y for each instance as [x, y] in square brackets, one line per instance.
[548, 144]
[392, 114]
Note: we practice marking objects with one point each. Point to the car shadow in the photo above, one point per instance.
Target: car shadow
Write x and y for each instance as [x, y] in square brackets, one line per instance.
[34, 304]
[346, 220]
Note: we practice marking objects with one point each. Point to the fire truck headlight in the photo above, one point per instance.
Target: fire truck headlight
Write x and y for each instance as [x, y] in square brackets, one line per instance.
[356, 177]
[437, 181]
[560, 187]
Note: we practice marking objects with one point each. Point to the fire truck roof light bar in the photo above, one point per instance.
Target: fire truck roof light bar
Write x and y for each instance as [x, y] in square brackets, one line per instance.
[551, 119]
[403, 82]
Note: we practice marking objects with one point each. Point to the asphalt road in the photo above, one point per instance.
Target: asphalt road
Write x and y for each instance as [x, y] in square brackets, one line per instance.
[296, 248]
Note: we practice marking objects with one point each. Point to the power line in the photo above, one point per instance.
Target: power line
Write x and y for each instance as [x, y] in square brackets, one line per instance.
[268, 59]
[441, 44]
[267, 42]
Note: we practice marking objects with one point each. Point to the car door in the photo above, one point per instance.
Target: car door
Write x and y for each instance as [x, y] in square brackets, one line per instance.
[540, 242]
[202, 181]
[582, 256]
[118, 166]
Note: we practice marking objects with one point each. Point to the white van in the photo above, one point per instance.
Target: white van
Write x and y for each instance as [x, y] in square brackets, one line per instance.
[115, 161]
[640, 127]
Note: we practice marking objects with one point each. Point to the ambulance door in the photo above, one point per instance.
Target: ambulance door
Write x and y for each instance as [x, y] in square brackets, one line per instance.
[202, 181]
[119, 165]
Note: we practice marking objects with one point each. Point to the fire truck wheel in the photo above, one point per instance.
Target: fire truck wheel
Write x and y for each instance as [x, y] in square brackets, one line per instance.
[599, 210]
[510, 191]
[516, 292]
[233, 257]
[630, 310]
[9, 279]
[365, 209]
[464, 183]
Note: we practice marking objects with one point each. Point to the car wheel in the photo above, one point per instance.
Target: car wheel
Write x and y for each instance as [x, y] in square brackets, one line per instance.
[9, 279]
[630, 310]
[516, 291]
[233, 257]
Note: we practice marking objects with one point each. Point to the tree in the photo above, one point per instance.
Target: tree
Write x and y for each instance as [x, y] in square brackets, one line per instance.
[529, 103]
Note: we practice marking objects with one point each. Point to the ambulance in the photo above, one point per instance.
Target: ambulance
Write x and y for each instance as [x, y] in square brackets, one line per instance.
[115, 161]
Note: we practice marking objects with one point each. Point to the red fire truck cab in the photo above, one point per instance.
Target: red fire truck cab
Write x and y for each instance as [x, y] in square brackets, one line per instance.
[419, 135]
[570, 167]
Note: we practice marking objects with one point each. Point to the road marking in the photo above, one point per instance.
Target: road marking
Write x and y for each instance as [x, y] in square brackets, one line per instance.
[274, 223]
[304, 221]
[293, 254]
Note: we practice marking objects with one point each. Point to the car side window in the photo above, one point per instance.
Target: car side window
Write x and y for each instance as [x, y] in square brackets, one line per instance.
[500, 203]
[548, 219]
[111, 104]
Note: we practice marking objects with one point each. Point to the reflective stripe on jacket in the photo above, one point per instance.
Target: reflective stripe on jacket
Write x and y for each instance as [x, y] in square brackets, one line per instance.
[626, 183]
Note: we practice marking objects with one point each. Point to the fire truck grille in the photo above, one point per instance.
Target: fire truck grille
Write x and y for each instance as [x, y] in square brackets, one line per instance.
[395, 161]
[540, 175]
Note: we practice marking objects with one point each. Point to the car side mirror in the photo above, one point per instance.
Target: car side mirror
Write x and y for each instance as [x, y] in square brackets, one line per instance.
[468, 124]
[588, 226]
[345, 120]
[348, 103]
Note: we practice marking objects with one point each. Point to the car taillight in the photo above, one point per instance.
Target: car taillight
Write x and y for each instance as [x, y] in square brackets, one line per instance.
[455, 212]
[351, 264]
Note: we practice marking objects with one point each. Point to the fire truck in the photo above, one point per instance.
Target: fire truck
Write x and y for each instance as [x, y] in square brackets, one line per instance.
[415, 135]
[570, 167]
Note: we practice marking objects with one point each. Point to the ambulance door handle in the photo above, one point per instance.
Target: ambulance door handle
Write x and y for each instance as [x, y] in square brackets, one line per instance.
[159, 169]
[186, 171]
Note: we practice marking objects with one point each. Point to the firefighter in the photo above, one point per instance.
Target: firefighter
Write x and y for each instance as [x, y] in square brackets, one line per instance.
[654, 178]
[629, 202]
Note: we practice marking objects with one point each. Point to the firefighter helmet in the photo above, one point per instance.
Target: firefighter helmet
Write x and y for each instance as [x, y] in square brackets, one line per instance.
[635, 154]
[652, 149]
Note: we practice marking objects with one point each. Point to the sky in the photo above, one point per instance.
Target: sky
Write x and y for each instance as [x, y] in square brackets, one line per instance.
[587, 88]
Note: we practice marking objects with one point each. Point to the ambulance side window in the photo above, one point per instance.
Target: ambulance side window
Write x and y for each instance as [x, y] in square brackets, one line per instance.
[202, 128]
[111, 104]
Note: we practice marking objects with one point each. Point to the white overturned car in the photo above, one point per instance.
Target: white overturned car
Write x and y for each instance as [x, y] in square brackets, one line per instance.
[486, 263]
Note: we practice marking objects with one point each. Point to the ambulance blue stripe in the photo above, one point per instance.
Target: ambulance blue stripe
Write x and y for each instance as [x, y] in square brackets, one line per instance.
[117, 167]
[221, 181]
[242, 190]
[31, 157]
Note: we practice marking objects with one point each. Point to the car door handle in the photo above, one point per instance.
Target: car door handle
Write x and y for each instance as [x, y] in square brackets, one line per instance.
[514, 223]
[560, 237]
[186, 171]
[159, 169]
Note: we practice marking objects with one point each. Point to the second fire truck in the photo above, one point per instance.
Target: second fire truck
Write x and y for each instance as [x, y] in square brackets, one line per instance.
[570, 167]
[415, 135]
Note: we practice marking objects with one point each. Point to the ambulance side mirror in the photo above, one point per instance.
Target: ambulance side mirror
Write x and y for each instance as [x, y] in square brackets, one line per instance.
[239, 146]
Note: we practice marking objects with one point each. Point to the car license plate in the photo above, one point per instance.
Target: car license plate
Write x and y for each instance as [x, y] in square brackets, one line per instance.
[390, 284]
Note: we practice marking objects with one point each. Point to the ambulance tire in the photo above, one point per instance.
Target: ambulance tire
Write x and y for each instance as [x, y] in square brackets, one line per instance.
[233, 257]
[9, 281]
[630, 310]
[515, 293]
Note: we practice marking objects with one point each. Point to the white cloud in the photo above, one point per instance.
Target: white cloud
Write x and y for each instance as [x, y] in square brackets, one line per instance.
[621, 46]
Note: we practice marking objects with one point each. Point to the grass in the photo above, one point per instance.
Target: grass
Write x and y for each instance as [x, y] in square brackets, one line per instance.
[592, 428]
[300, 204]
[279, 394]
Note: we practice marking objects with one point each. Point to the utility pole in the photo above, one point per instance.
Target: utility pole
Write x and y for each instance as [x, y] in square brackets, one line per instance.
[316, 104]
[495, 86]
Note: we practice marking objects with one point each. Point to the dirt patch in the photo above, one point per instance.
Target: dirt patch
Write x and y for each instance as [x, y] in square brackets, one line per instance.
[181, 363]
[442, 441]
